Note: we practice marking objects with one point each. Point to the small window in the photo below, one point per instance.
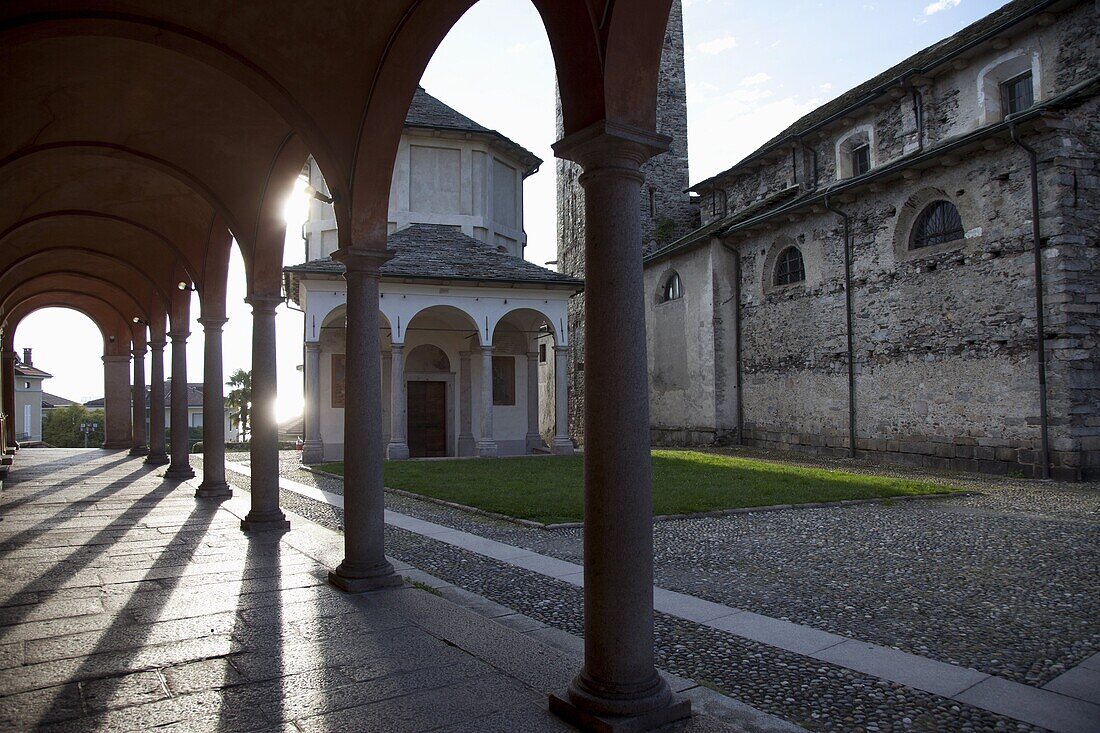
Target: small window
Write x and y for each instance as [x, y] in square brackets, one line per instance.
[504, 380]
[1017, 94]
[938, 223]
[542, 353]
[674, 289]
[861, 159]
[789, 268]
[26, 385]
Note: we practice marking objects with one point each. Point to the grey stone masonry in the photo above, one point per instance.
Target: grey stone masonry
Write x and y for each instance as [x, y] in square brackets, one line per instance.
[944, 336]
[668, 213]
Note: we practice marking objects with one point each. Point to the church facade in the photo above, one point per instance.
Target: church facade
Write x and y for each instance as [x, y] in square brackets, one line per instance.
[474, 338]
[910, 272]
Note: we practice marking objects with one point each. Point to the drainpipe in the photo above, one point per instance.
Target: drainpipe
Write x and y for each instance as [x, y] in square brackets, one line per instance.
[739, 390]
[848, 319]
[918, 117]
[739, 387]
[1040, 345]
[813, 154]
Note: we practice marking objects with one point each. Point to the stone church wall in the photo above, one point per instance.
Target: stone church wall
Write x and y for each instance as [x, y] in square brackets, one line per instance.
[946, 370]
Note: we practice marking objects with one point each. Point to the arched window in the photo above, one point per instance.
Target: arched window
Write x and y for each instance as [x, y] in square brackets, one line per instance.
[938, 223]
[674, 289]
[789, 268]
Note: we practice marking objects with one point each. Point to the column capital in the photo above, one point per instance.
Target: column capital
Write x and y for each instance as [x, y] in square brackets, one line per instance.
[178, 336]
[116, 358]
[313, 345]
[363, 261]
[138, 353]
[263, 303]
[561, 349]
[157, 345]
[486, 348]
[397, 345]
[213, 323]
[613, 145]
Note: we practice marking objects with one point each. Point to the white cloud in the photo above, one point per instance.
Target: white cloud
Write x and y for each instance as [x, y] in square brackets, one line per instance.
[755, 79]
[716, 46]
[933, 8]
[826, 87]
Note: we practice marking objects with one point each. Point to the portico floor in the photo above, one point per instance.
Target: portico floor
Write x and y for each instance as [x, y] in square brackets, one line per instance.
[127, 604]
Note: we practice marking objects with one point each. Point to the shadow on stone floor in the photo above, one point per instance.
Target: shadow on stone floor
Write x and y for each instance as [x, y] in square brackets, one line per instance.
[103, 684]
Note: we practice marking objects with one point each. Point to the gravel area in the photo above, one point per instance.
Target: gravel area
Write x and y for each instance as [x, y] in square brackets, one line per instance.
[1007, 582]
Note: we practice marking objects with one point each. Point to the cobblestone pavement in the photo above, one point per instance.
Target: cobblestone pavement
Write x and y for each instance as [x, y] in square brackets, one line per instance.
[1005, 582]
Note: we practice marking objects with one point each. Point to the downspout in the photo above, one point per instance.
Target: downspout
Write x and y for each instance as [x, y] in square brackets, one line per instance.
[812, 182]
[1040, 327]
[918, 117]
[848, 321]
[739, 390]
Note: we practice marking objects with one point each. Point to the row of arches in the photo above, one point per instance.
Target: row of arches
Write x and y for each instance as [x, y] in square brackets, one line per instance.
[159, 135]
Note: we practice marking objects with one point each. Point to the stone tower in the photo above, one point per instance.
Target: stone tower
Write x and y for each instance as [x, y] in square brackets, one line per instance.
[667, 212]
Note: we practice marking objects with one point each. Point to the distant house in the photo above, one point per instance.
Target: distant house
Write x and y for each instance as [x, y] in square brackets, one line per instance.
[194, 408]
[28, 399]
[52, 401]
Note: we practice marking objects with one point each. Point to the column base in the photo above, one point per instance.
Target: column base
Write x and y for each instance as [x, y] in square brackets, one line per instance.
[577, 716]
[117, 445]
[139, 450]
[256, 522]
[156, 459]
[562, 446]
[487, 449]
[534, 441]
[360, 580]
[219, 490]
[179, 473]
[313, 452]
[397, 451]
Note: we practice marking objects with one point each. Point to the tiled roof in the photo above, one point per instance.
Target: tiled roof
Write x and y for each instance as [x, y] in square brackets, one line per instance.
[29, 371]
[52, 400]
[427, 111]
[929, 57]
[439, 252]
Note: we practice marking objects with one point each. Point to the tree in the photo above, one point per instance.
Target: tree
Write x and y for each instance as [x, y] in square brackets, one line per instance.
[239, 399]
[61, 427]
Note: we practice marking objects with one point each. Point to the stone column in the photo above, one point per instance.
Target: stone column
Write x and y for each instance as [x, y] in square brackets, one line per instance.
[398, 449]
[466, 444]
[486, 445]
[157, 456]
[9, 401]
[180, 469]
[265, 513]
[141, 445]
[213, 483]
[618, 681]
[365, 566]
[534, 440]
[562, 445]
[313, 449]
[117, 394]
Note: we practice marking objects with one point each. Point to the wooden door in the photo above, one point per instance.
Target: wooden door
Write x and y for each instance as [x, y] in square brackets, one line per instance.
[427, 419]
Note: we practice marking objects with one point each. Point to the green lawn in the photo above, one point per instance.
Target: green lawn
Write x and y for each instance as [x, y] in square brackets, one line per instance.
[549, 488]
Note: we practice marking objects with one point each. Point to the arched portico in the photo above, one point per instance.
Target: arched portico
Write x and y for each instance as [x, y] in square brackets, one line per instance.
[223, 105]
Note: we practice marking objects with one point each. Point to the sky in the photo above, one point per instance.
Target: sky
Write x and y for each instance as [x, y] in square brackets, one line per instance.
[752, 69]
